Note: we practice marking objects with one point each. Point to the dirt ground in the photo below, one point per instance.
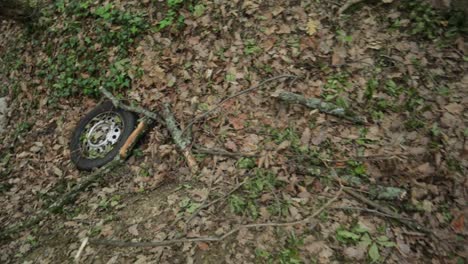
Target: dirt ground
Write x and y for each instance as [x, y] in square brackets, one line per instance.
[401, 66]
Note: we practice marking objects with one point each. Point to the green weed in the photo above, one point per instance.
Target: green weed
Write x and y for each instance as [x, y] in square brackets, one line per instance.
[246, 163]
[288, 254]
[360, 235]
[343, 37]
[172, 15]
[434, 24]
[81, 61]
[250, 47]
[245, 202]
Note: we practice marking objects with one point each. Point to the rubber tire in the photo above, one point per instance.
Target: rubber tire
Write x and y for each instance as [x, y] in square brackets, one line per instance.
[82, 163]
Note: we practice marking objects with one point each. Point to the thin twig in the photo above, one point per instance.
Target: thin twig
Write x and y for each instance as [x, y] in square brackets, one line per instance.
[210, 187]
[118, 104]
[368, 211]
[380, 208]
[80, 250]
[233, 190]
[119, 243]
[383, 209]
[218, 105]
[221, 152]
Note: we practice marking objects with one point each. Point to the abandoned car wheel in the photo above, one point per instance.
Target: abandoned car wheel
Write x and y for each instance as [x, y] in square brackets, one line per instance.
[99, 136]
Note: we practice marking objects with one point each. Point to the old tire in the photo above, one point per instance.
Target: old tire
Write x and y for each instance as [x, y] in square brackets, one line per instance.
[99, 136]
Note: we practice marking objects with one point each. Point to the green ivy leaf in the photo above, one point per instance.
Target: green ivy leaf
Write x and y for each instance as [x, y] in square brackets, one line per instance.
[360, 229]
[374, 252]
[386, 243]
[345, 235]
[365, 240]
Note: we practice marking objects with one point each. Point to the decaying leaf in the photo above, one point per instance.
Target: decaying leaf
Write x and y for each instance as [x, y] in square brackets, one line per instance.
[312, 27]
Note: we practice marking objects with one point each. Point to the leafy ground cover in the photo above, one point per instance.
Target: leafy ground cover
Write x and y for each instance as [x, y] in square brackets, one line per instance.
[401, 65]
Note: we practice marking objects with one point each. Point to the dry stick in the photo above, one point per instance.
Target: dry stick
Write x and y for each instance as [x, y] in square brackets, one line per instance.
[177, 135]
[80, 250]
[366, 210]
[221, 152]
[119, 243]
[205, 205]
[117, 103]
[132, 139]
[65, 199]
[383, 209]
[218, 105]
[228, 194]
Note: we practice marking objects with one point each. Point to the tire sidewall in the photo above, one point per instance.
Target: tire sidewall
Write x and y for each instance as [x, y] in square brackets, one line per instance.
[83, 163]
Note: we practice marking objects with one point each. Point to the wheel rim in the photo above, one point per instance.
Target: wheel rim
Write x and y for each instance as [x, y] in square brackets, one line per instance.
[101, 135]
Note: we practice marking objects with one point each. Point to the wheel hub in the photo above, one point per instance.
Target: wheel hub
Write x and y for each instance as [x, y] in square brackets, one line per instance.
[101, 134]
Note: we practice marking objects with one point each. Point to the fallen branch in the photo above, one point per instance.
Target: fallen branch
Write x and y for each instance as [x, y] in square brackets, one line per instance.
[119, 243]
[118, 104]
[385, 210]
[377, 192]
[183, 143]
[322, 106]
[167, 118]
[65, 199]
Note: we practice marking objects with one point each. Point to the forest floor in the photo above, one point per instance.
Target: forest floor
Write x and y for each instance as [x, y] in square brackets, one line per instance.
[402, 66]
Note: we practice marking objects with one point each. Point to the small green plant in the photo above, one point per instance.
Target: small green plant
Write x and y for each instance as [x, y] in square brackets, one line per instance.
[337, 82]
[335, 88]
[172, 14]
[199, 10]
[288, 134]
[80, 65]
[357, 168]
[288, 254]
[32, 240]
[237, 204]
[187, 205]
[371, 87]
[250, 47]
[431, 23]
[360, 235]
[414, 123]
[343, 37]
[230, 77]
[246, 163]
[246, 200]
[392, 89]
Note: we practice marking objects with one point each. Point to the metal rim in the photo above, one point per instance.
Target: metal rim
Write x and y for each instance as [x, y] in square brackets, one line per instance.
[101, 135]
